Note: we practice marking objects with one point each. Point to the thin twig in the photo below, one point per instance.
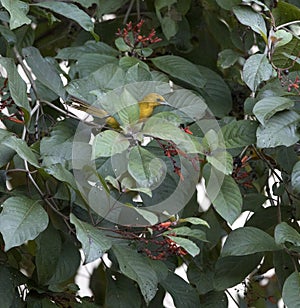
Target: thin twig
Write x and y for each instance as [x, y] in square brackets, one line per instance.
[128, 12]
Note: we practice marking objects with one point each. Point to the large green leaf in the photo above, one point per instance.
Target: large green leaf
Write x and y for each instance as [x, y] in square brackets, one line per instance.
[291, 291]
[16, 84]
[48, 250]
[7, 288]
[43, 70]
[296, 178]
[160, 127]
[67, 265]
[94, 242]
[221, 160]
[214, 299]
[252, 19]
[109, 143]
[183, 294]
[22, 149]
[147, 169]
[232, 270]
[21, 220]
[76, 52]
[256, 69]
[181, 69]
[229, 4]
[62, 174]
[239, 133]
[215, 92]
[71, 11]
[281, 129]
[189, 106]
[267, 107]
[225, 195]
[121, 292]
[285, 233]
[248, 240]
[17, 11]
[9, 35]
[137, 268]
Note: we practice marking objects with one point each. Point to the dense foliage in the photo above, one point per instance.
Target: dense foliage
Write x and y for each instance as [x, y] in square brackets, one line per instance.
[127, 193]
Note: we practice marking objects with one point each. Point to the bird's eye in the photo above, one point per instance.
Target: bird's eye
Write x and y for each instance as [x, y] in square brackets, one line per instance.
[159, 100]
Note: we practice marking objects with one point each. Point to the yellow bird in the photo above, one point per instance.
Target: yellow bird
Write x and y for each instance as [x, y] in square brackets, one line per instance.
[146, 107]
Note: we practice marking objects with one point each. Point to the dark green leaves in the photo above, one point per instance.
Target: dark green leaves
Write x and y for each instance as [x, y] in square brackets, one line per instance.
[239, 133]
[71, 11]
[137, 268]
[248, 240]
[16, 84]
[94, 242]
[180, 68]
[21, 219]
[44, 71]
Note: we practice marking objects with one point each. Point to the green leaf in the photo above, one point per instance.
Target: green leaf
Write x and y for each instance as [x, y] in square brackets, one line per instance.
[256, 69]
[285, 233]
[43, 70]
[283, 37]
[186, 231]
[267, 107]
[232, 270]
[8, 35]
[254, 20]
[7, 288]
[109, 143]
[296, 178]
[121, 292]
[189, 106]
[181, 69]
[48, 249]
[221, 160]
[186, 244]
[160, 128]
[216, 92]
[183, 294]
[17, 11]
[16, 84]
[239, 133]
[169, 27]
[291, 291]
[225, 195]
[89, 47]
[21, 220]
[195, 221]
[285, 12]
[71, 11]
[246, 241]
[94, 242]
[214, 299]
[229, 4]
[281, 129]
[147, 169]
[62, 174]
[137, 268]
[227, 58]
[67, 265]
[285, 56]
[22, 149]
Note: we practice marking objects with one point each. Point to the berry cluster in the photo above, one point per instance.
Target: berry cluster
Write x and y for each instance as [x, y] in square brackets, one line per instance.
[160, 247]
[133, 38]
[154, 243]
[283, 76]
[6, 101]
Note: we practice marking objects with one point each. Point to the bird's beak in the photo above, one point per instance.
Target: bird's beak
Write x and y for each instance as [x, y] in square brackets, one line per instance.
[165, 103]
